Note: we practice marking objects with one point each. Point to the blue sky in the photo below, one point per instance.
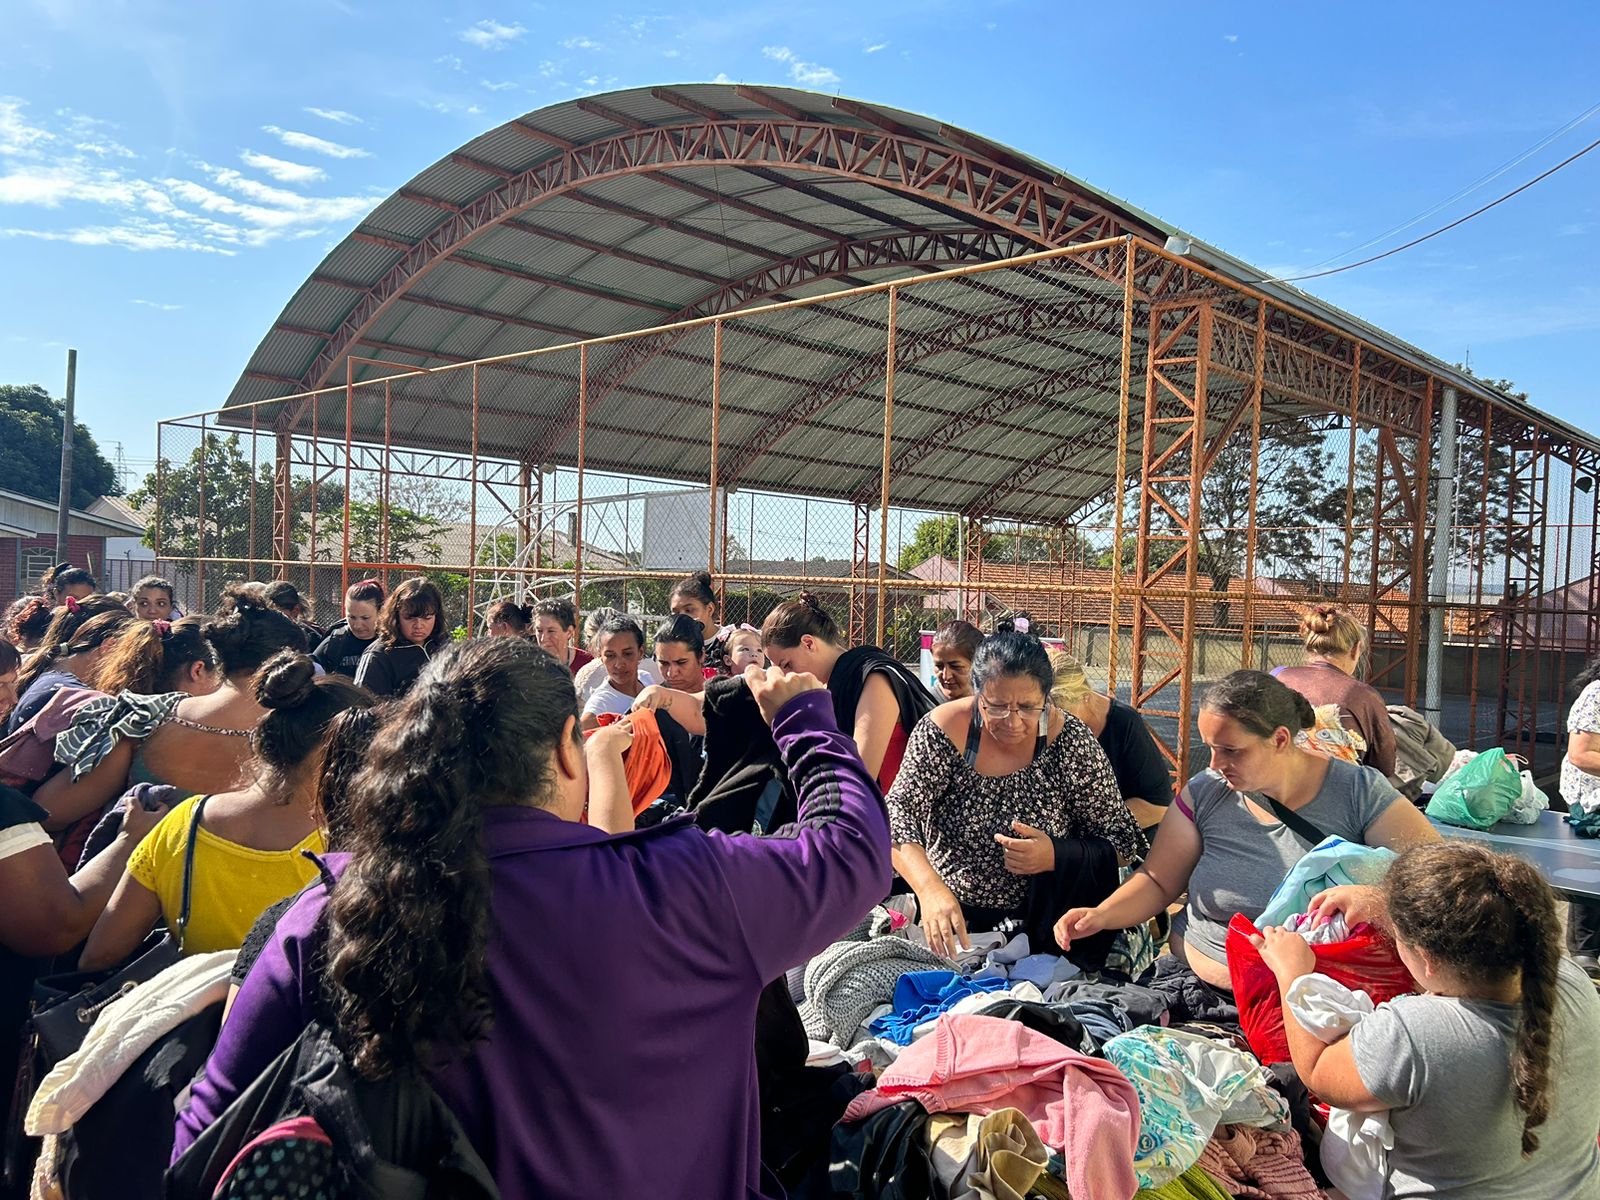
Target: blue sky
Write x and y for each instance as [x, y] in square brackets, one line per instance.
[170, 172]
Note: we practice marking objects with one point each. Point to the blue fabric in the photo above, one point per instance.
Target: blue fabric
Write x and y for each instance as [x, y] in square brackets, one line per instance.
[921, 996]
[1334, 862]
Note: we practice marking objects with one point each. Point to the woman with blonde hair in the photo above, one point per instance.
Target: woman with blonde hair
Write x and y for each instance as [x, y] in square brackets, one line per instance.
[1334, 646]
[1142, 774]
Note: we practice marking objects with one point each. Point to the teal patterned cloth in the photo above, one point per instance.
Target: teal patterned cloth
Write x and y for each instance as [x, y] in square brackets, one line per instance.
[1188, 1085]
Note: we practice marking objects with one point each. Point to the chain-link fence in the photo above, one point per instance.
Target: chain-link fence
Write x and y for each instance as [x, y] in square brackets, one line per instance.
[1159, 467]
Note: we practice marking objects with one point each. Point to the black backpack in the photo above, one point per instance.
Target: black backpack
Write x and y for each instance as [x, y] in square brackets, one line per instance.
[311, 1122]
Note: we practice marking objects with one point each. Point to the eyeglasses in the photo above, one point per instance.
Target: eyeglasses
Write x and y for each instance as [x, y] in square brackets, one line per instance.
[1004, 712]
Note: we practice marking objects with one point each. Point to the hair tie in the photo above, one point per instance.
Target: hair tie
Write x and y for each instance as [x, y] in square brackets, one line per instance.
[364, 582]
[746, 627]
[72, 605]
[162, 626]
[1021, 624]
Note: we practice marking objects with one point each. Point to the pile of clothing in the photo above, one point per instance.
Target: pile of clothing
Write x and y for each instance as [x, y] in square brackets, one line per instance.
[1004, 1074]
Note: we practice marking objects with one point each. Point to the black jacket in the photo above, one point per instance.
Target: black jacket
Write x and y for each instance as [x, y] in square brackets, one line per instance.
[391, 670]
[340, 652]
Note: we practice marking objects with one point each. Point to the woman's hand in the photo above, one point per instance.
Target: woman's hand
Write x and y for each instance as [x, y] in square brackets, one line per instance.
[613, 739]
[1031, 852]
[942, 921]
[1287, 955]
[137, 821]
[1360, 904]
[774, 687]
[1079, 923]
[654, 697]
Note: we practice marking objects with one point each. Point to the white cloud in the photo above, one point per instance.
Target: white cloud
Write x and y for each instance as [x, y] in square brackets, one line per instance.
[159, 307]
[305, 141]
[722, 77]
[337, 115]
[491, 35]
[1230, 37]
[206, 209]
[580, 43]
[453, 61]
[280, 169]
[805, 73]
[18, 138]
[875, 48]
[548, 69]
[503, 86]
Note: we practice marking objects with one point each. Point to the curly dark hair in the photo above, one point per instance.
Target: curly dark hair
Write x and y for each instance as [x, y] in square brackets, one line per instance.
[344, 751]
[414, 598]
[74, 628]
[1490, 917]
[479, 729]
[248, 631]
[27, 620]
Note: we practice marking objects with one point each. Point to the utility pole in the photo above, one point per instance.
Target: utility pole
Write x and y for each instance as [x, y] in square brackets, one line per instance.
[64, 504]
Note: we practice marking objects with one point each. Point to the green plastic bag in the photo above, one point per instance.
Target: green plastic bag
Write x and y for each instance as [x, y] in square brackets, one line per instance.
[1480, 794]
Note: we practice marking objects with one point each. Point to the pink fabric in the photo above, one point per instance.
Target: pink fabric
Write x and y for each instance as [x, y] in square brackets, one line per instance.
[27, 755]
[1082, 1106]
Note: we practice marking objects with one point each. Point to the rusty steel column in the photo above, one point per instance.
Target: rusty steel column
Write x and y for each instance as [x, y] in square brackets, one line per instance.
[472, 517]
[583, 429]
[1203, 354]
[282, 501]
[1247, 630]
[1120, 486]
[349, 428]
[883, 495]
[716, 435]
[859, 554]
[200, 523]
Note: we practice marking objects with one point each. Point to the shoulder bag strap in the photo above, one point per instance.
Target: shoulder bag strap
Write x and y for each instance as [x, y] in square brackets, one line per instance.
[188, 868]
[1302, 828]
[974, 736]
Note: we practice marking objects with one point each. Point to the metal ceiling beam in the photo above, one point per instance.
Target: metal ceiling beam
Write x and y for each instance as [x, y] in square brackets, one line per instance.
[617, 252]
[1033, 208]
[560, 284]
[754, 210]
[595, 109]
[768, 101]
[929, 251]
[910, 349]
[467, 310]
[670, 225]
[679, 100]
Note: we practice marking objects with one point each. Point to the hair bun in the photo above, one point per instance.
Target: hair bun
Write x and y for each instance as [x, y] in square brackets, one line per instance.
[286, 680]
[809, 599]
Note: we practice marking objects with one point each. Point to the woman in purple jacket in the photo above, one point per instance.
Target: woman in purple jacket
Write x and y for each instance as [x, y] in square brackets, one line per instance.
[586, 1003]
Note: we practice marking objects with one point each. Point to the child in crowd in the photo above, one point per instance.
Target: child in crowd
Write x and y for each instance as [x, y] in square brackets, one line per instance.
[1488, 1075]
[153, 599]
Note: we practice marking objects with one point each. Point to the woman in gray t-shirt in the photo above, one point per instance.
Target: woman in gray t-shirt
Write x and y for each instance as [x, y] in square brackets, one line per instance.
[1487, 1076]
[1223, 841]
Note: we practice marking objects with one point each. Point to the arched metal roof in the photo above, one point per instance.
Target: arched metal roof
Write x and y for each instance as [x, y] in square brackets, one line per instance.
[640, 208]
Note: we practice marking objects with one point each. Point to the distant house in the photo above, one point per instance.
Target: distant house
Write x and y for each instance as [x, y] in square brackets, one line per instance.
[28, 540]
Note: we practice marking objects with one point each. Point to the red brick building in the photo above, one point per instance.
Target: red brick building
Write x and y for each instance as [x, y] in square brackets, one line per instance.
[28, 541]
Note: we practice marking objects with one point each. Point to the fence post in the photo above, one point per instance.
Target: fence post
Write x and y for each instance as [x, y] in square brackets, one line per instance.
[888, 437]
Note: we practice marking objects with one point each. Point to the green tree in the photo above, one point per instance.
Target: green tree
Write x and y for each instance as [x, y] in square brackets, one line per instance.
[30, 449]
[211, 505]
[1003, 542]
[411, 536]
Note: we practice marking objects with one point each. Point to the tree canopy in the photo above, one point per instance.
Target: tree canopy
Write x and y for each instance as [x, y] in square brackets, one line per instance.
[30, 449]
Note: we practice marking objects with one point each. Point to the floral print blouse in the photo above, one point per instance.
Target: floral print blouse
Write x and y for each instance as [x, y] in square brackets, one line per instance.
[940, 803]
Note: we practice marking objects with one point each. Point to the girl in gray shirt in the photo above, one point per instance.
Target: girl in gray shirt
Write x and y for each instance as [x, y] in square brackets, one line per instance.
[1488, 1075]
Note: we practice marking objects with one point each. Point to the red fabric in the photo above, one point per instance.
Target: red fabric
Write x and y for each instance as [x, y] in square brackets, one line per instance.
[893, 755]
[1259, 1164]
[1367, 961]
[645, 763]
[580, 659]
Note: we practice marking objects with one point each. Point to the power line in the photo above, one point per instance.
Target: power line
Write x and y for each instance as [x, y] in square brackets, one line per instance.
[1462, 193]
[1443, 228]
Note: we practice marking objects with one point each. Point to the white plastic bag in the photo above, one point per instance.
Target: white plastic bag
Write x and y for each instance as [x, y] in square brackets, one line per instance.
[1530, 804]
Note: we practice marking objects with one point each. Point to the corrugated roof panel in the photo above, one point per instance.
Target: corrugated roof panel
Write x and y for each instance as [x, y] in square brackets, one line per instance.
[318, 306]
[406, 219]
[540, 255]
[362, 261]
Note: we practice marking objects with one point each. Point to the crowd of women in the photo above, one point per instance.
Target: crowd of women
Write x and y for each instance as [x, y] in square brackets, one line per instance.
[682, 908]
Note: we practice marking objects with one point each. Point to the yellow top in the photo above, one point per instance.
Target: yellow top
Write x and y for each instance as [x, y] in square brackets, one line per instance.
[233, 884]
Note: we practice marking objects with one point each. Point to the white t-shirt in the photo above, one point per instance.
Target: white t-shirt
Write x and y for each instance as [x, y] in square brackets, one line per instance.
[1579, 788]
[607, 699]
[592, 674]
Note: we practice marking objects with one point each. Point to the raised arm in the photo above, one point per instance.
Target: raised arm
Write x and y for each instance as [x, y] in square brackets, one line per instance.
[795, 892]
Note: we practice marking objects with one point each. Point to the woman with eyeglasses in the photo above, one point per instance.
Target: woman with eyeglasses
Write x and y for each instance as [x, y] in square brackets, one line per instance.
[1004, 804]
